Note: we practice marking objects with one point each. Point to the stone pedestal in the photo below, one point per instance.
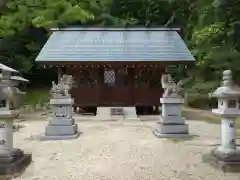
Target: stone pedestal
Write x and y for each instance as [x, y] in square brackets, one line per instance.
[172, 124]
[62, 126]
[11, 160]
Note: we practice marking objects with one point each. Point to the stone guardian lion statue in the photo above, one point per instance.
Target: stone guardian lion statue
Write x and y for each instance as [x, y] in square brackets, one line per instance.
[62, 89]
[172, 89]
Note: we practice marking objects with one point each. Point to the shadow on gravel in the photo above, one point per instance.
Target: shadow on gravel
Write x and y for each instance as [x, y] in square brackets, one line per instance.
[36, 137]
[182, 139]
[17, 172]
[131, 125]
[37, 116]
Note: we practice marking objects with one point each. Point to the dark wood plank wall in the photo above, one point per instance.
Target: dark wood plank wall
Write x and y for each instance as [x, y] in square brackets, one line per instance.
[92, 91]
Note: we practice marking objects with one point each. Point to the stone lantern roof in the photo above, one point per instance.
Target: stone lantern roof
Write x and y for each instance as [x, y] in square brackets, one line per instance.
[7, 71]
[6, 68]
[18, 78]
[227, 89]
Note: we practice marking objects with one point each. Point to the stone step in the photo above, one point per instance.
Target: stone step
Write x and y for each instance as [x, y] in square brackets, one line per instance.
[117, 117]
[116, 113]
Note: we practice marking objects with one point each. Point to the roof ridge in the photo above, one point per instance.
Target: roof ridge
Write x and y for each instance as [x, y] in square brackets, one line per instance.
[115, 29]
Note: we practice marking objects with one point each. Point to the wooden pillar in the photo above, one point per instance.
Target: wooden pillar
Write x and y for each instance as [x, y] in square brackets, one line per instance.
[59, 74]
[131, 83]
[100, 78]
[66, 70]
[131, 77]
[101, 84]
[165, 71]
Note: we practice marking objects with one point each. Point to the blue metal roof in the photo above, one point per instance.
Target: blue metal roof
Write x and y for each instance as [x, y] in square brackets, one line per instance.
[104, 44]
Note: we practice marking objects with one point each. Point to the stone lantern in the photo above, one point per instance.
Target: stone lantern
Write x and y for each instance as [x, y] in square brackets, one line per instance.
[227, 156]
[11, 159]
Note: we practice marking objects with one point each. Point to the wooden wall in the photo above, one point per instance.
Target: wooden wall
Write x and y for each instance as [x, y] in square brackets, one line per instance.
[139, 87]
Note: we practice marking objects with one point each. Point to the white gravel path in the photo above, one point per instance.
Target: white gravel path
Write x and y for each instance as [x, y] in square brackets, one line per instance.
[121, 150]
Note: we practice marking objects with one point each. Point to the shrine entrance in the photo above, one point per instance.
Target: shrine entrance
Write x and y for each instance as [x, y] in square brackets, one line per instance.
[117, 88]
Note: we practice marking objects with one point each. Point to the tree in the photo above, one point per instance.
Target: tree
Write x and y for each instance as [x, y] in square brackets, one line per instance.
[24, 25]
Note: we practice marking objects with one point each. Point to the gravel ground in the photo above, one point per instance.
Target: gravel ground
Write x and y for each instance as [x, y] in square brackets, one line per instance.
[119, 150]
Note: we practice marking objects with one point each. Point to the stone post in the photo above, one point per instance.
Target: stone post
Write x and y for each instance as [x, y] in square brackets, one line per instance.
[62, 125]
[6, 135]
[172, 124]
[226, 156]
[11, 160]
[228, 133]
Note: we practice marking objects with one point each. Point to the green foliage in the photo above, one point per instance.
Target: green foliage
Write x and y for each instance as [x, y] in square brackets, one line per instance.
[203, 87]
[210, 35]
[22, 14]
[197, 95]
[197, 100]
[36, 97]
[20, 19]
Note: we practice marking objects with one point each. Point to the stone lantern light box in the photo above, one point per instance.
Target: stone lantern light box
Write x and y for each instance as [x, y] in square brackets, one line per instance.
[225, 104]
[228, 96]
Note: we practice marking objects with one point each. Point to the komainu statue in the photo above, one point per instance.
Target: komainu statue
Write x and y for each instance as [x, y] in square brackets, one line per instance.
[172, 89]
[62, 89]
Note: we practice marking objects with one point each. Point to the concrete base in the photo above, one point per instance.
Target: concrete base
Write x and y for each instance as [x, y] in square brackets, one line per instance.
[104, 113]
[15, 166]
[115, 118]
[130, 113]
[158, 134]
[61, 137]
[172, 128]
[61, 130]
[225, 162]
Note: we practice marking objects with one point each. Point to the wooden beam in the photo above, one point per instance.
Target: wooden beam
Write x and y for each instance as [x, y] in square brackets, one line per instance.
[117, 64]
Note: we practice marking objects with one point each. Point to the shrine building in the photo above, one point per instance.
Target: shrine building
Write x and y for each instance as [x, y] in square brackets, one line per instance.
[117, 67]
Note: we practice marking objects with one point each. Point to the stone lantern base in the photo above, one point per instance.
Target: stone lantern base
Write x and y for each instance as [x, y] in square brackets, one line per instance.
[14, 162]
[227, 162]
